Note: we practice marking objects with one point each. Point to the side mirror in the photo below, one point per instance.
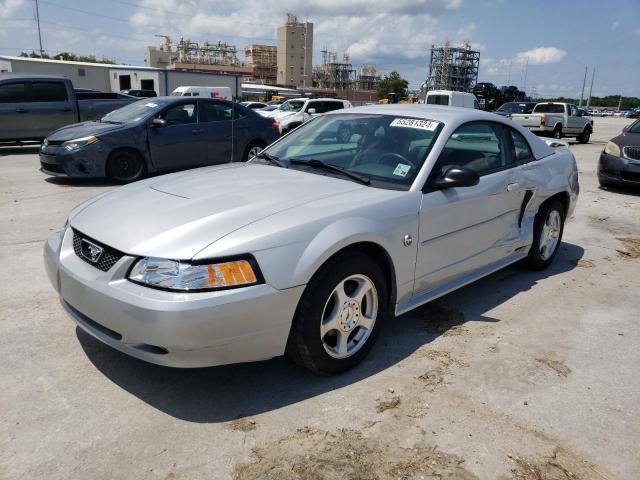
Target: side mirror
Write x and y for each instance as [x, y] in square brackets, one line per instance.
[311, 111]
[158, 123]
[456, 177]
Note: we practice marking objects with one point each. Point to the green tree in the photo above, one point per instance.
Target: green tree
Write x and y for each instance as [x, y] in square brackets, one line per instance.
[392, 83]
[68, 56]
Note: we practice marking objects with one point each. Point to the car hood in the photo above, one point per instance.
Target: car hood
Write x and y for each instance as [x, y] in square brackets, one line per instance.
[83, 129]
[277, 114]
[626, 139]
[175, 216]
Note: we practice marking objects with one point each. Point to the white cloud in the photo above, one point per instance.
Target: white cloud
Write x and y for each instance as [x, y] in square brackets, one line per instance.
[465, 31]
[615, 25]
[541, 56]
[8, 7]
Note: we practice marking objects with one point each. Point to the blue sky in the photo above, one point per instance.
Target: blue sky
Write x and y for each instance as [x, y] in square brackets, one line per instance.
[556, 38]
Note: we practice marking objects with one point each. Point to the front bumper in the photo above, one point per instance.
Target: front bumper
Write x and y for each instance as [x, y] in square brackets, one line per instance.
[169, 328]
[621, 170]
[86, 162]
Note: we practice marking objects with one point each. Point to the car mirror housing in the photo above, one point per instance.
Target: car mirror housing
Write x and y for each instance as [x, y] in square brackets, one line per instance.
[159, 123]
[456, 177]
[311, 111]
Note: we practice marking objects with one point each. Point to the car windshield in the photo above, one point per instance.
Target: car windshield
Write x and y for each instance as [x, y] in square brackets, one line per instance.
[386, 150]
[513, 107]
[549, 108]
[291, 105]
[134, 112]
[635, 127]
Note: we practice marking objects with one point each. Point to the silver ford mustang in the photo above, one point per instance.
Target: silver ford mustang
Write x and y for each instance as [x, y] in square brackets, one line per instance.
[308, 248]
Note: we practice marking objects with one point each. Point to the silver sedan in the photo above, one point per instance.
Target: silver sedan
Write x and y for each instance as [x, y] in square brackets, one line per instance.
[308, 248]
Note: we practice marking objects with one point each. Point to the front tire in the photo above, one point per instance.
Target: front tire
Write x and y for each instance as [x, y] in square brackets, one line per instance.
[584, 136]
[547, 235]
[339, 315]
[557, 133]
[125, 166]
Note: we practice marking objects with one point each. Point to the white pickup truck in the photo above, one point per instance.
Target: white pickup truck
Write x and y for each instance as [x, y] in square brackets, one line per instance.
[556, 120]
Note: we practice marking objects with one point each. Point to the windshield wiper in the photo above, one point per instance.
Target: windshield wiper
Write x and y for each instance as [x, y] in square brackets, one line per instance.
[271, 158]
[334, 168]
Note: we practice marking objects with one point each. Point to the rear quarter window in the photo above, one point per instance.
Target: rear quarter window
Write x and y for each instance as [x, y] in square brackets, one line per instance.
[49, 92]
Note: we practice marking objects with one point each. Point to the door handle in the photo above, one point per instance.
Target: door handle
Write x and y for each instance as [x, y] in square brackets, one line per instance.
[20, 110]
[512, 186]
[197, 130]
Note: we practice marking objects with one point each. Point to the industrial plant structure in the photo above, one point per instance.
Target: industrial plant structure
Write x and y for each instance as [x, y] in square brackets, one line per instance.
[262, 59]
[452, 68]
[332, 74]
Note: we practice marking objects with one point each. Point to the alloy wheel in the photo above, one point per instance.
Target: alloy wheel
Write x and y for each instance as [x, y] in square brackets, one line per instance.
[349, 316]
[550, 234]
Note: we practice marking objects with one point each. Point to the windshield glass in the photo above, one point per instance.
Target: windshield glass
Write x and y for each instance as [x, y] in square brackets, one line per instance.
[513, 107]
[549, 108]
[388, 150]
[291, 105]
[635, 127]
[438, 99]
[134, 112]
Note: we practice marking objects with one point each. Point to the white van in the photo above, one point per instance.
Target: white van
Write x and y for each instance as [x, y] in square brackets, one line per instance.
[222, 93]
[452, 99]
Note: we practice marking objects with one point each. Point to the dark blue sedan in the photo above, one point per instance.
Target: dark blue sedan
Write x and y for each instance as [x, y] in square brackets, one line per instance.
[157, 135]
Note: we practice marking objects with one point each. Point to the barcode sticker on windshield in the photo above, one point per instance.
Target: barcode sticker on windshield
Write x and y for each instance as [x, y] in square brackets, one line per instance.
[402, 170]
[151, 105]
[414, 123]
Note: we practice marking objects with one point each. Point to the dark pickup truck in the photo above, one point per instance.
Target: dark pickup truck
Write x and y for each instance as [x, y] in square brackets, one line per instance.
[32, 106]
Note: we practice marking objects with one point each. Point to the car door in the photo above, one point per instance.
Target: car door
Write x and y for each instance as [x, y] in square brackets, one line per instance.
[14, 119]
[216, 120]
[181, 143]
[575, 121]
[50, 107]
[465, 229]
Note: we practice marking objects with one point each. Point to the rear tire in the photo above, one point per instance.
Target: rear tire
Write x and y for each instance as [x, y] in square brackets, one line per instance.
[253, 149]
[340, 314]
[125, 166]
[547, 236]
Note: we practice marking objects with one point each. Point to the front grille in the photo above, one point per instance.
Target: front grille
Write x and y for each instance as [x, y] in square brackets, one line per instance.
[631, 152]
[108, 258]
[52, 167]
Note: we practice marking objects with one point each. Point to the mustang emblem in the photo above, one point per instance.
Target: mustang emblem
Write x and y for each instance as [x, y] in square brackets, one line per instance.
[90, 250]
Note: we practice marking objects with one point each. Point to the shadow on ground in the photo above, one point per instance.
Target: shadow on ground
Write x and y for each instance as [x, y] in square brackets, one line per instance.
[19, 150]
[622, 189]
[79, 182]
[219, 394]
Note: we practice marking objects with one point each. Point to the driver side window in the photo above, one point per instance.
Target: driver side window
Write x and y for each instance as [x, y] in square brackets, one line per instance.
[180, 114]
[479, 146]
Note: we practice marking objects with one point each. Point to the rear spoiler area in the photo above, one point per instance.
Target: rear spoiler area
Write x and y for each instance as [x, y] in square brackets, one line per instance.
[555, 143]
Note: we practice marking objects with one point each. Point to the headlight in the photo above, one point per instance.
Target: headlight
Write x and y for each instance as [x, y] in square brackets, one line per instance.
[181, 276]
[612, 149]
[79, 142]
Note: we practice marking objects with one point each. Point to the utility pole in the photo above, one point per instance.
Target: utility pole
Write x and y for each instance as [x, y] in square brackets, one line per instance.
[584, 81]
[39, 34]
[593, 74]
[526, 68]
[620, 103]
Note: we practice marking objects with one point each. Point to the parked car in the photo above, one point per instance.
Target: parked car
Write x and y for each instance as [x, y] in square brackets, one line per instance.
[155, 135]
[308, 248]
[254, 105]
[140, 93]
[221, 93]
[293, 113]
[451, 99]
[556, 120]
[633, 113]
[510, 108]
[620, 160]
[32, 106]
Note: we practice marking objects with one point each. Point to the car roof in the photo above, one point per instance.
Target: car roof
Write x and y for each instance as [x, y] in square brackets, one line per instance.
[318, 98]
